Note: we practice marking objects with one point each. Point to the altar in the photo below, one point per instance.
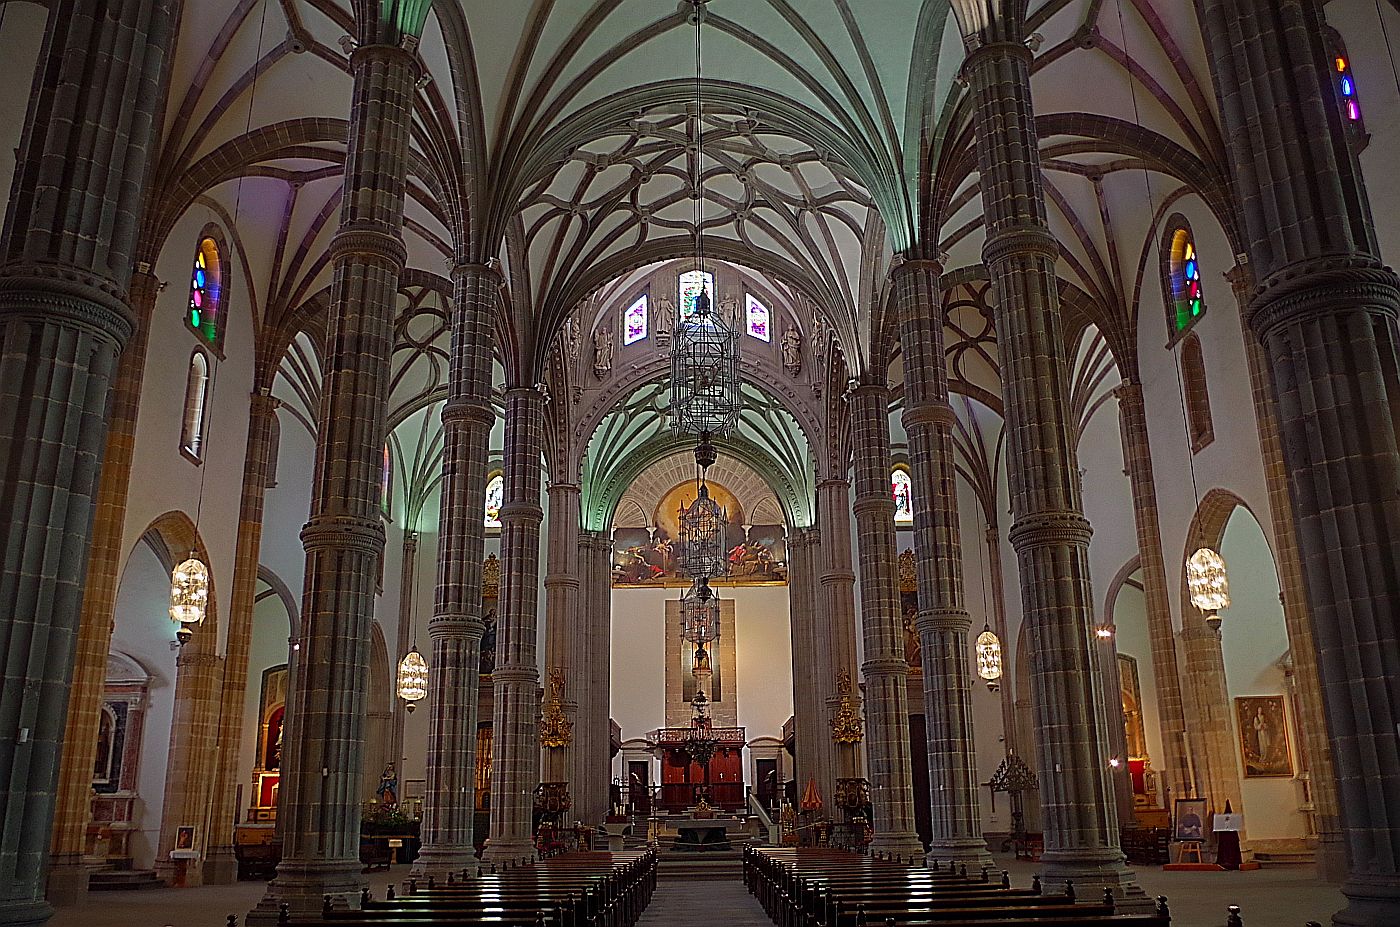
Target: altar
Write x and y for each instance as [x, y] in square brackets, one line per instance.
[695, 835]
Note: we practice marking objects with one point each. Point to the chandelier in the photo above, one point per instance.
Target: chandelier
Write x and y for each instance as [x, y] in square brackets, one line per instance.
[189, 596]
[700, 739]
[700, 614]
[989, 658]
[413, 678]
[701, 534]
[1209, 584]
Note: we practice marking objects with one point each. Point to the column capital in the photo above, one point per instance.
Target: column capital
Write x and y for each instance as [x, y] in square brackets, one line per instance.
[371, 242]
[887, 667]
[1129, 394]
[1042, 529]
[365, 55]
[931, 413]
[343, 532]
[521, 511]
[982, 52]
[909, 265]
[490, 271]
[455, 624]
[80, 300]
[1323, 286]
[934, 620]
[464, 410]
[1020, 241]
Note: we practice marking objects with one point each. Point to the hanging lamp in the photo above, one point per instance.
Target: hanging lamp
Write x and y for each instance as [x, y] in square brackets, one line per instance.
[989, 658]
[189, 596]
[413, 678]
[1209, 584]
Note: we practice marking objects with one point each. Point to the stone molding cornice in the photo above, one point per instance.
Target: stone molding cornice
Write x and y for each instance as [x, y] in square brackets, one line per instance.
[936, 620]
[832, 577]
[466, 411]
[931, 413]
[1324, 286]
[876, 505]
[344, 533]
[1046, 529]
[473, 269]
[981, 53]
[506, 674]
[1034, 241]
[394, 55]
[369, 242]
[521, 512]
[455, 625]
[893, 666]
[46, 295]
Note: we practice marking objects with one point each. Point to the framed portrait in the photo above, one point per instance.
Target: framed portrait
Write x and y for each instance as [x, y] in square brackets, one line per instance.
[1189, 817]
[1263, 728]
[184, 837]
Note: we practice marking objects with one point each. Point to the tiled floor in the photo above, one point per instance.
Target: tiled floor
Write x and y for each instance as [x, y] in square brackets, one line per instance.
[1268, 898]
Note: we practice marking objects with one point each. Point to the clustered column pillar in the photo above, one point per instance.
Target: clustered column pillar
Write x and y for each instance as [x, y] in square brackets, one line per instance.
[943, 621]
[515, 760]
[813, 735]
[1050, 534]
[836, 603]
[1325, 312]
[565, 646]
[319, 806]
[884, 668]
[65, 263]
[1171, 713]
[591, 680]
[454, 667]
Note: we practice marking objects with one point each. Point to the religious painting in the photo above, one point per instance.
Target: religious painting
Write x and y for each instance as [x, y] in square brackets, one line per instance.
[1263, 729]
[184, 837]
[1130, 692]
[1189, 819]
[642, 557]
[761, 557]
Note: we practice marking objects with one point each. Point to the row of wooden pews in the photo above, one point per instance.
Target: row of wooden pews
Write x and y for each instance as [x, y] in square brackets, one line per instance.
[568, 890]
[833, 888]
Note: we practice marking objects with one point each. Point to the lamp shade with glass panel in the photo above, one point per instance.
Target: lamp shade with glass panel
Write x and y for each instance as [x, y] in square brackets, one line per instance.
[988, 648]
[413, 678]
[704, 372]
[701, 536]
[189, 595]
[1209, 584]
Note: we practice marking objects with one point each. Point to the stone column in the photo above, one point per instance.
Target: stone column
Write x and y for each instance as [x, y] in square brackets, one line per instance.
[943, 621]
[319, 804]
[454, 665]
[1212, 723]
[1325, 313]
[1316, 752]
[1050, 534]
[884, 669]
[837, 620]
[591, 680]
[403, 640]
[220, 867]
[515, 761]
[66, 259]
[566, 642]
[813, 734]
[68, 877]
[193, 761]
[1171, 714]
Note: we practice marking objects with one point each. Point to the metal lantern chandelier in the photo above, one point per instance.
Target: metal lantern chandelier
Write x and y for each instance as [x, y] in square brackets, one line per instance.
[189, 596]
[1209, 583]
[413, 678]
[700, 614]
[701, 535]
[989, 658]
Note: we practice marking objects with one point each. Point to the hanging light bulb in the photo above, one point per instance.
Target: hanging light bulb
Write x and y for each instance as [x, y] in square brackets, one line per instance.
[189, 596]
[989, 658]
[1209, 584]
[413, 678]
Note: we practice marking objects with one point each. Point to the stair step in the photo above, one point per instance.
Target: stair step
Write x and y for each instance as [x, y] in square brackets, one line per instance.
[124, 880]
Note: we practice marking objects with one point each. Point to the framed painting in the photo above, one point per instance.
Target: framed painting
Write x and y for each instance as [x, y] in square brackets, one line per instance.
[1263, 729]
[1189, 819]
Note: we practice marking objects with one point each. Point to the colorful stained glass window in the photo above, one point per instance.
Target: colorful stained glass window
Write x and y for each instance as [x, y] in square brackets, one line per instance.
[758, 318]
[1346, 88]
[206, 278]
[495, 495]
[1188, 297]
[691, 283]
[634, 322]
[902, 490]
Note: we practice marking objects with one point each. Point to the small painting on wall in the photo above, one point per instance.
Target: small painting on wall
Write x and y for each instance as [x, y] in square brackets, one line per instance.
[1263, 731]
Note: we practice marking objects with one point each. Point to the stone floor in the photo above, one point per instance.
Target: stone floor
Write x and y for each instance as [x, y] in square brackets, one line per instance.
[1268, 898]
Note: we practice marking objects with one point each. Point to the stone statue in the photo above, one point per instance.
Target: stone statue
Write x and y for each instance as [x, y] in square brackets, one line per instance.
[792, 351]
[571, 338]
[665, 318]
[729, 310]
[602, 352]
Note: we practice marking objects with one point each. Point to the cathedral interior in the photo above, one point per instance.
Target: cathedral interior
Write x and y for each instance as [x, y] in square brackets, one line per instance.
[706, 458]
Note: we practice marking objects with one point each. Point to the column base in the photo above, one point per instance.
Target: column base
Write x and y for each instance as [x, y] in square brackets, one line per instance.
[302, 886]
[1330, 857]
[220, 866]
[1093, 871]
[971, 853]
[897, 844]
[25, 913]
[508, 851]
[1370, 903]
[67, 882]
[438, 861]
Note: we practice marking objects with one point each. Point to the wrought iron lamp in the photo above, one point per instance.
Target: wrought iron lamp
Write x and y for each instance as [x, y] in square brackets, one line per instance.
[1209, 583]
[413, 678]
[189, 596]
[989, 658]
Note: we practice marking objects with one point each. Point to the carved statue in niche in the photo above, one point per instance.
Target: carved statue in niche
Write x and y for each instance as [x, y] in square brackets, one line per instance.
[602, 352]
[665, 317]
[729, 310]
[792, 351]
[818, 340]
[571, 338]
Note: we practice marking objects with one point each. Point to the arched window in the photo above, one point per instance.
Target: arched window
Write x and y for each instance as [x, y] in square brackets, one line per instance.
[1193, 382]
[1345, 82]
[495, 495]
[691, 283]
[386, 485]
[1186, 301]
[758, 320]
[902, 490]
[204, 313]
[634, 321]
[196, 397]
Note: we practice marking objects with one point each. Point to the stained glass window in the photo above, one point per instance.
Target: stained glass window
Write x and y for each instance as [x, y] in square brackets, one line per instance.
[495, 495]
[691, 283]
[1346, 87]
[902, 490]
[1187, 296]
[206, 278]
[635, 322]
[758, 320]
